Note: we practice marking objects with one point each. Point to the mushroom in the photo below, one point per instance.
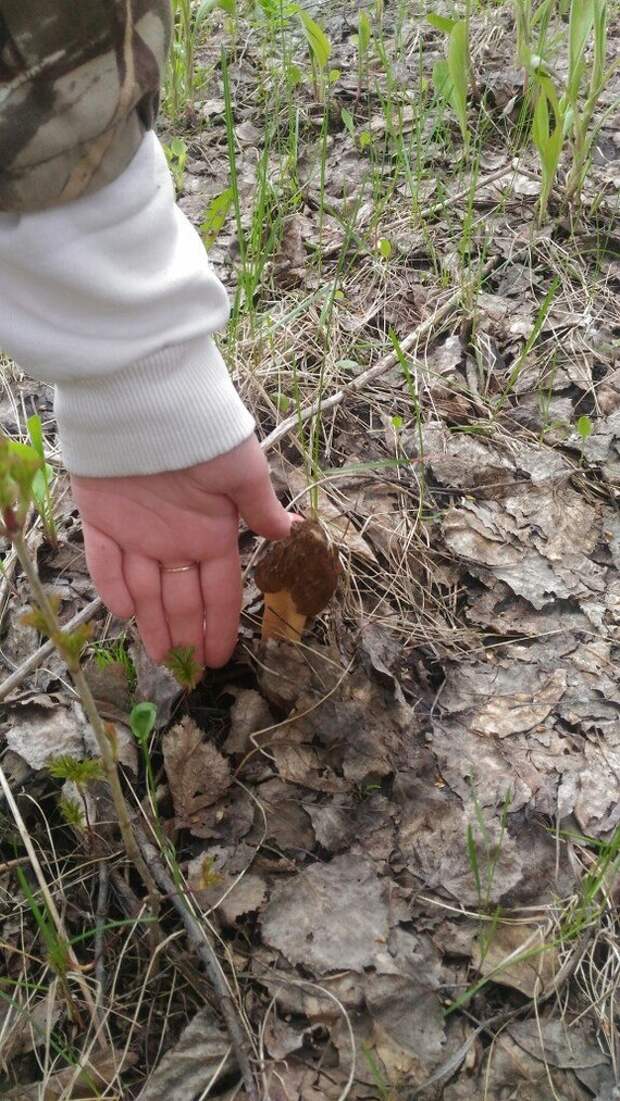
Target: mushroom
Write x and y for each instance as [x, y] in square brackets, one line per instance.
[298, 577]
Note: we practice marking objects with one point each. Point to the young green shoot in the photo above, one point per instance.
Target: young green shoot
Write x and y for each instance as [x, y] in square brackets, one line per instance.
[42, 482]
[19, 464]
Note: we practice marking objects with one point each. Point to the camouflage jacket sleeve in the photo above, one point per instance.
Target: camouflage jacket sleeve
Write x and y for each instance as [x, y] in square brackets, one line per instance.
[79, 85]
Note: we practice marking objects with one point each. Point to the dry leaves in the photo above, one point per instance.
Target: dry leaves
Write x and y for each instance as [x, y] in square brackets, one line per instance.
[197, 773]
[201, 1055]
[330, 916]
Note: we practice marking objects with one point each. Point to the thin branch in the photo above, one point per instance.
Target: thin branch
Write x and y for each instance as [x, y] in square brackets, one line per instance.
[104, 739]
[39, 656]
[201, 942]
[321, 405]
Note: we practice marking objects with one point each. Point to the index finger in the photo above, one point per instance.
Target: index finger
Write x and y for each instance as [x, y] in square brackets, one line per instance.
[220, 579]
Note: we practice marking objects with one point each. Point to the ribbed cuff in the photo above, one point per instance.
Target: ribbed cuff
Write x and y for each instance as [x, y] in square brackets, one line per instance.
[170, 410]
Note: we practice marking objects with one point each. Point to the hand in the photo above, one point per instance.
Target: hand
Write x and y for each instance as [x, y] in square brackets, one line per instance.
[134, 526]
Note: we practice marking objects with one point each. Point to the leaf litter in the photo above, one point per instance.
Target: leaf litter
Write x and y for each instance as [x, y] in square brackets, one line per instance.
[402, 807]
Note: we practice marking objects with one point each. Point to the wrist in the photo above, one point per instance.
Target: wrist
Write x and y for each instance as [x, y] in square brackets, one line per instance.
[173, 409]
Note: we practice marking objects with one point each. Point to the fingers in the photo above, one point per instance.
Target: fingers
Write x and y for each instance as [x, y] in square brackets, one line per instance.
[221, 592]
[105, 565]
[183, 606]
[144, 583]
[260, 508]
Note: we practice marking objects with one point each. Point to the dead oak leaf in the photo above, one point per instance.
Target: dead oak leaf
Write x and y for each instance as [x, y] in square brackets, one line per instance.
[197, 772]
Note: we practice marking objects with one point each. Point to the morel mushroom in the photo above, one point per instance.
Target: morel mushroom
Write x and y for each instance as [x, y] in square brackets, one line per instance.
[298, 577]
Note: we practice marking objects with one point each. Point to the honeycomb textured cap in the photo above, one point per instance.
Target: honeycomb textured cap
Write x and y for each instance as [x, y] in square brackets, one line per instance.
[304, 565]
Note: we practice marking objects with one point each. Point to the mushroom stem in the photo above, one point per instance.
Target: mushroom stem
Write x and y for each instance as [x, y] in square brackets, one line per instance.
[281, 618]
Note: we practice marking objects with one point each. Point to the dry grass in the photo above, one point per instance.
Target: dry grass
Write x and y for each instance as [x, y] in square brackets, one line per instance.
[126, 999]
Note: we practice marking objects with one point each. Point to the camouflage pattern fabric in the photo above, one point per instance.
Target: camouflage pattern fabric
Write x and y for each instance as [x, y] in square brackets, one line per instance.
[79, 85]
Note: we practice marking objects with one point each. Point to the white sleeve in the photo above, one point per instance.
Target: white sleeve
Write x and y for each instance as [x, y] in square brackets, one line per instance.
[111, 297]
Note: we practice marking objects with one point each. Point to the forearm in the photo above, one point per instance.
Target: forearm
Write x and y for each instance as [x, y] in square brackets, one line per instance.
[112, 299]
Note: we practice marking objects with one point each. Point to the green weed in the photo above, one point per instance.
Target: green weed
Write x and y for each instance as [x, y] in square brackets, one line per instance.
[42, 482]
[115, 652]
[176, 155]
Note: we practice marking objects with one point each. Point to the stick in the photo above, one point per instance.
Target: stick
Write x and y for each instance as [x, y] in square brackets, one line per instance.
[39, 656]
[103, 897]
[384, 364]
[201, 942]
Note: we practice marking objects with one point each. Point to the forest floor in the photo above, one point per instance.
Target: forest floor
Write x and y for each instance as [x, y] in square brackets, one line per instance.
[403, 834]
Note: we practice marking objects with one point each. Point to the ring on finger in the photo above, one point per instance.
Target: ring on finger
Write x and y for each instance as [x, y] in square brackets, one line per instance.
[181, 567]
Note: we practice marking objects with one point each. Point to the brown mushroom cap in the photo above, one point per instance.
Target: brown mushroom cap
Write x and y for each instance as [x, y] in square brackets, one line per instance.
[304, 565]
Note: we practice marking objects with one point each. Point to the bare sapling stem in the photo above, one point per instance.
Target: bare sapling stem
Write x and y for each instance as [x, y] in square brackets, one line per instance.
[103, 733]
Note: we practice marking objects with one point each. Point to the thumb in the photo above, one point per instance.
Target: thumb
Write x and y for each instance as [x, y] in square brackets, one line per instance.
[260, 508]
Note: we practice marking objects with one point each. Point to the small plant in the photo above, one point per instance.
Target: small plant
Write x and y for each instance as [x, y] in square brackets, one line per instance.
[585, 429]
[484, 870]
[539, 321]
[548, 137]
[81, 774]
[182, 80]
[42, 482]
[586, 16]
[280, 12]
[176, 155]
[215, 217]
[58, 950]
[142, 723]
[363, 44]
[19, 465]
[183, 665]
[451, 76]
[567, 118]
[528, 21]
[115, 652]
[77, 772]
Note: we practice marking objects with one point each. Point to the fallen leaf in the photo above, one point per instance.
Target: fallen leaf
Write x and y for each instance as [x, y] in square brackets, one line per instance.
[249, 714]
[288, 823]
[84, 1084]
[215, 887]
[333, 823]
[505, 701]
[109, 686]
[42, 728]
[25, 1027]
[40, 731]
[408, 1024]
[185, 1071]
[197, 772]
[289, 263]
[300, 764]
[534, 966]
[432, 838]
[329, 916]
[563, 1046]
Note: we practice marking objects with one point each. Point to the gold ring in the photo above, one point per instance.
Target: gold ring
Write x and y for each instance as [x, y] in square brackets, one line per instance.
[178, 569]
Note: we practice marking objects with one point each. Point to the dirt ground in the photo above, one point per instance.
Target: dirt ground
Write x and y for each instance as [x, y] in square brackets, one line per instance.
[403, 834]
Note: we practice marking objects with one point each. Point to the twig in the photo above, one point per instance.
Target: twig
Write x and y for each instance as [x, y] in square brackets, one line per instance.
[321, 405]
[201, 942]
[39, 656]
[9, 564]
[482, 182]
[103, 896]
[8, 569]
[103, 734]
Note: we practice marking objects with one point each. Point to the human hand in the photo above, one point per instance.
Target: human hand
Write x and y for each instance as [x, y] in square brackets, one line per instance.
[137, 528]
